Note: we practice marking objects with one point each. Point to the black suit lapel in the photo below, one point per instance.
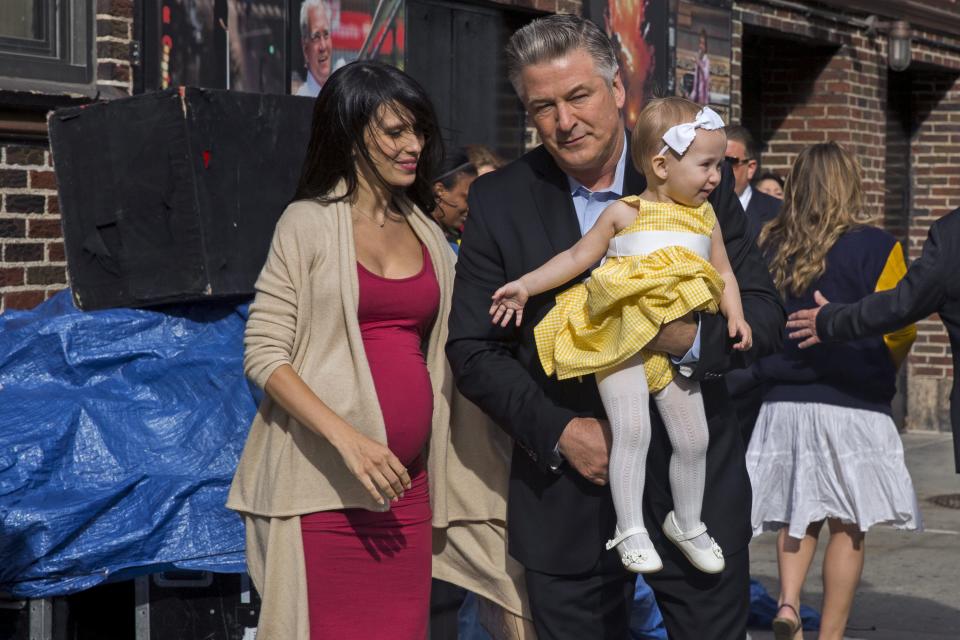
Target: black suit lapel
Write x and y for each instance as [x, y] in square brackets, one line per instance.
[554, 204]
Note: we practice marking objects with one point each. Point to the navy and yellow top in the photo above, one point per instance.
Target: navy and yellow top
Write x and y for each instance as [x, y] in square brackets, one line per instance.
[860, 374]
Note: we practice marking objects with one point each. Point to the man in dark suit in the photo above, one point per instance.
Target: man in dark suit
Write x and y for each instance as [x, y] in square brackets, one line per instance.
[930, 286]
[560, 510]
[742, 153]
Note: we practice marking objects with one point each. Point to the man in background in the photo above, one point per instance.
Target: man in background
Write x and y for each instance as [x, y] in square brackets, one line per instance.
[316, 43]
[742, 153]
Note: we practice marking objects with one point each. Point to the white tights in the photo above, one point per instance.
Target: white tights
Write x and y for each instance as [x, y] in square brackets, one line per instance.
[623, 390]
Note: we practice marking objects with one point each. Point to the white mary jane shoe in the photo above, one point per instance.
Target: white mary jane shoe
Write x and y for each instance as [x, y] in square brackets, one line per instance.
[646, 561]
[709, 560]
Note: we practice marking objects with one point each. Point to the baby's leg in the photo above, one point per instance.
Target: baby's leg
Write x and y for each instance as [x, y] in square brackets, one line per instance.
[681, 407]
[623, 390]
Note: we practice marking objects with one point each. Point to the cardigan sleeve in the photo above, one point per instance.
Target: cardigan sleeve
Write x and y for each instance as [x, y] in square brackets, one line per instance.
[271, 326]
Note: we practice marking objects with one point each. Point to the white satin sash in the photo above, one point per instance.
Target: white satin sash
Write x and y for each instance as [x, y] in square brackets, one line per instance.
[641, 243]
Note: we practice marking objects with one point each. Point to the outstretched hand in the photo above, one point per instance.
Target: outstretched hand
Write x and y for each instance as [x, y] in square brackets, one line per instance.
[507, 301]
[804, 322]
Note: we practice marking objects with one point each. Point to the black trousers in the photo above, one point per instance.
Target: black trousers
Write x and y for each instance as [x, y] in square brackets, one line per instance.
[596, 605]
[445, 601]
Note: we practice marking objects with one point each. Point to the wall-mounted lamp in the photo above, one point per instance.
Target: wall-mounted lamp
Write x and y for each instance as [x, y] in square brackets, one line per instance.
[898, 40]
[898, 45]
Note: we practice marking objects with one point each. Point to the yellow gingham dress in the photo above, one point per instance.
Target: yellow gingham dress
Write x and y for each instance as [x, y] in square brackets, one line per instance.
[611, 316]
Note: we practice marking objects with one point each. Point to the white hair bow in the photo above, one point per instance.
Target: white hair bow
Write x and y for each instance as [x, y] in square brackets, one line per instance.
[679, 137]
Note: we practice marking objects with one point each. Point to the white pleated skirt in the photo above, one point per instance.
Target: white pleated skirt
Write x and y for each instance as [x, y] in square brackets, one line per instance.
[811, 461]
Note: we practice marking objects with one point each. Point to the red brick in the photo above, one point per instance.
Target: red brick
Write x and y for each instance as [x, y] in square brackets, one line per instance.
[53, 204]
[21, 299]
[43, 180]
[25, 155]
[56, 252]
[113, 29]
[827, 123]
[45, 228]
[113, 71]
[23, 203]
[26, 252]
[114, 50]
[46, 275]
[809, 136]
[927, 371]
[13, 178]
[11, 276]
[116, 8]
[12, 228]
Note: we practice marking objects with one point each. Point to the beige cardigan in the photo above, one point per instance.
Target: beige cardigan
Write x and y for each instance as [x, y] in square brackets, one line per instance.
[305, 315]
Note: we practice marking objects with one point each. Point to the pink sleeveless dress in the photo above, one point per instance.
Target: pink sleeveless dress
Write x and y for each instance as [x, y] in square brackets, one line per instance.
[368, 573]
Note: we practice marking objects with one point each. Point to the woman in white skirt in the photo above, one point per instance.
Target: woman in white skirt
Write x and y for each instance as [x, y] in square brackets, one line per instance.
[825, 448]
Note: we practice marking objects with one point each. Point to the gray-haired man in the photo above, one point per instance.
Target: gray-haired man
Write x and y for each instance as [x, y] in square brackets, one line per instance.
[560, 511]
[316, 43]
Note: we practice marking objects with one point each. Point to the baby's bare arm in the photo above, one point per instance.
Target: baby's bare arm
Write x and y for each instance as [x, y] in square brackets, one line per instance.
[730, 303]
[581, 256]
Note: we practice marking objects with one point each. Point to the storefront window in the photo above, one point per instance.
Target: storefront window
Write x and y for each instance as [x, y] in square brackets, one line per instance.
[47, 46]
[22, 19]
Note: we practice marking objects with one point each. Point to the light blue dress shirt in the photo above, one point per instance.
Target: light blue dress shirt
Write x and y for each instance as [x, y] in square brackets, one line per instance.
[310, 88]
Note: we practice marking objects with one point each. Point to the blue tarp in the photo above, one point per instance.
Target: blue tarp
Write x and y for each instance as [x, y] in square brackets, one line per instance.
[119, 433]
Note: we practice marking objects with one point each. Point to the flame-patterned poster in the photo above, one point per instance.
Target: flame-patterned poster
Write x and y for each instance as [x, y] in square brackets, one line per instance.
[638, 29]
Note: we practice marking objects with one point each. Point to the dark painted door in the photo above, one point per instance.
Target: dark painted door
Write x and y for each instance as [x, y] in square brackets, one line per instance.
[456, 52]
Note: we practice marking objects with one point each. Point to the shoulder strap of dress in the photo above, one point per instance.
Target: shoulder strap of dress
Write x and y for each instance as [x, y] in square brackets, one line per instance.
[709, 215]
[633, 201]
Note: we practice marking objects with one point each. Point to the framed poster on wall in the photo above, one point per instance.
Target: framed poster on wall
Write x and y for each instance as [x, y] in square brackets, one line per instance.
[702, 33]
[638, 29]
[369, 29]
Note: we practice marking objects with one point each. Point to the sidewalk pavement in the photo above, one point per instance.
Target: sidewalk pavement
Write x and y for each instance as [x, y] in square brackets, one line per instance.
[911, 581]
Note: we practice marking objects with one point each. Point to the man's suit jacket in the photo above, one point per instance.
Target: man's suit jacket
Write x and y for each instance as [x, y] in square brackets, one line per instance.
[521, 216]
[930, 286]
[761, 209]
[744, 386]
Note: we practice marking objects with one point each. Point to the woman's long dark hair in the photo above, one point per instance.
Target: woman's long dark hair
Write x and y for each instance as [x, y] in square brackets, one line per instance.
[348, 103]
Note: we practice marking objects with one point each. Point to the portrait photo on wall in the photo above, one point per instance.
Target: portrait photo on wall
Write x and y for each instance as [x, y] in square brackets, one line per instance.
[638, 29]
[702, 53]
[327, 34]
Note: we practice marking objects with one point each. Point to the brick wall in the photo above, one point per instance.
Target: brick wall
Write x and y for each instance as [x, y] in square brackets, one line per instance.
[810, 82]
[801, 79]
[33, 265]
[32, 261]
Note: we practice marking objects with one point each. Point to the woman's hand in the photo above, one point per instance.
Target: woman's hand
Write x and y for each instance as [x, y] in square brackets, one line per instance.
[508, 299]
[739, 327]
[374, 465]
